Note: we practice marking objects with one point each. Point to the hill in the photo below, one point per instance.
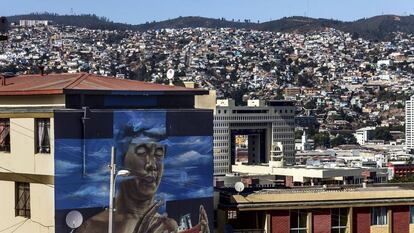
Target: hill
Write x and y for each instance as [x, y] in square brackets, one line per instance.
[375, 28]
[193, 22]
[298, 24]
[380, 27]
[88, 20]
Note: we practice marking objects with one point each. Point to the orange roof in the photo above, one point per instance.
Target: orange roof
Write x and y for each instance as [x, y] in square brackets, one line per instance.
[62, 83]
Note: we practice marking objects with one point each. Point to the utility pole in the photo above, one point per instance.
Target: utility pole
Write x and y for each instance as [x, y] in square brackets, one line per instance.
[111, 190]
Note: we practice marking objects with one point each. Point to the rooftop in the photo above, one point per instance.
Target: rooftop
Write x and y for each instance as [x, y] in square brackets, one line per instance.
[83, 82]
[296, 198]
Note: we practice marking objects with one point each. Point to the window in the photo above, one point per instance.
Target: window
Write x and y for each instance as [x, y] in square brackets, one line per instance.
[379, 216]
[412, 214]
[298, 221]
[22, 199]
[339, 220]
[4, 134]
[42, 135]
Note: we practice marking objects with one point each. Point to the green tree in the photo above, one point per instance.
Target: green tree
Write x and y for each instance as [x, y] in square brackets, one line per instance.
[382, 133]
[322, 140]
[298, 134]
[310, 105]
[338, 140]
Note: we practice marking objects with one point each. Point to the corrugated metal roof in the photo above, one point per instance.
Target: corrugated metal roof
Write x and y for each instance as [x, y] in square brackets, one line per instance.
[58, 83]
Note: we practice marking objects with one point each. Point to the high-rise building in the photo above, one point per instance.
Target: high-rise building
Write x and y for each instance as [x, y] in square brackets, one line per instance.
[409, 123]
[269, 127]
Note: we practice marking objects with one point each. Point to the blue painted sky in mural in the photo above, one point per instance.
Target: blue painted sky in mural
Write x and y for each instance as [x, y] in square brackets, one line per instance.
[188, 163]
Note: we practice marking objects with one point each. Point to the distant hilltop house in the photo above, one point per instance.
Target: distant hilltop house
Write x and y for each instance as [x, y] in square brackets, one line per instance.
[32, 22]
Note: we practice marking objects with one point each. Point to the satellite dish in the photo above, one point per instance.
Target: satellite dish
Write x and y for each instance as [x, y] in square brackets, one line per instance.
[170, 74]
[239, 187]
[74, 219]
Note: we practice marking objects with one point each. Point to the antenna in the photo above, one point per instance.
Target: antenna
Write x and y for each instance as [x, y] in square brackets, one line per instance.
[170, 76]
[74, 219]
[239, 187]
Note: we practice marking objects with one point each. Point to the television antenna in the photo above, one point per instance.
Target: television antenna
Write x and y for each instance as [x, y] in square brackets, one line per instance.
[170, 76]
[74, 219]
[239, 187]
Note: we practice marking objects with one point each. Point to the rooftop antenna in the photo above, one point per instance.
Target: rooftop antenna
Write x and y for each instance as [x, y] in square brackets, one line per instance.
[239, 187]
[170, 76]
[73, 220]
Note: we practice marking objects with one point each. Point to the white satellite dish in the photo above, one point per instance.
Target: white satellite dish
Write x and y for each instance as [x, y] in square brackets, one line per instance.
[170, 74]
[239, 187]
[74, 219]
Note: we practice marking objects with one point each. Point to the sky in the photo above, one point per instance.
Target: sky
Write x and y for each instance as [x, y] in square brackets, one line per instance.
[141, 11]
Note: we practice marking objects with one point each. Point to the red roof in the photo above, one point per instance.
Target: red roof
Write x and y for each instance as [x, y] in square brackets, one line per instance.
[59, 83]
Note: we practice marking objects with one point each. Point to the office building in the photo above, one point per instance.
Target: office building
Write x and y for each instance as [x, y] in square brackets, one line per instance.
[268, 126]
[409, 123]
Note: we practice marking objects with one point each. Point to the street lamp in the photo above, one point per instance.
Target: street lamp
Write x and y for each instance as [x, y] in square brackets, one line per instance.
[113, 177]
[123, 173]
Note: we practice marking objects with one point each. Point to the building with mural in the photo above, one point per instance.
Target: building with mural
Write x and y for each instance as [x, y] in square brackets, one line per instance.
[57, 135]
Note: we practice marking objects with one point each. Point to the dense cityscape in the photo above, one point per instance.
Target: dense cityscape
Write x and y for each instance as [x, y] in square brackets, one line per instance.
[346, 83]
[226, 129]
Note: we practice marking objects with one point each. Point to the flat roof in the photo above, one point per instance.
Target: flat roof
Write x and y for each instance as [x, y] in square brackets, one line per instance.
[293, 198]
[303, 171]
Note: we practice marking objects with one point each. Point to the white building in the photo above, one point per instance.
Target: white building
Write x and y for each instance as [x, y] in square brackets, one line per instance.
[363, 135]
[304, 143]
[409, 123]
[31, 23]
[269, 127]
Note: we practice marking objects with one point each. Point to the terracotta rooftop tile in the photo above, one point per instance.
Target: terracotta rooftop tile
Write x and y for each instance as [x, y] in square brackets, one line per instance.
[58, 83]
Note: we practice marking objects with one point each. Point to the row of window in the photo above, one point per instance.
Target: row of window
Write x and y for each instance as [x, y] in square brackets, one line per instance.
[221, 131]
[218, 144]
[220, 157]
[221, 164]
[41, 135]
[216, 138]
[252, 118]
[255, 111]
[339, 219]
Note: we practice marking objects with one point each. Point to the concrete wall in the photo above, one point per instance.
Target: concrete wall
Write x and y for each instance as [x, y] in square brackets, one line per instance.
[206, 101]
[22, 157]
[411, 228]
[400, 219]
[22, 164]
[379, 229]
[42, 209]
[32, 101]
[321, 221]
[362, 220]
[280, 221]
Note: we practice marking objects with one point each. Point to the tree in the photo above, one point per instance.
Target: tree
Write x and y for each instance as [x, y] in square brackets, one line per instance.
[337, 141]
[382, 133]
[322, 140]
[310, 104]
[298, 134]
